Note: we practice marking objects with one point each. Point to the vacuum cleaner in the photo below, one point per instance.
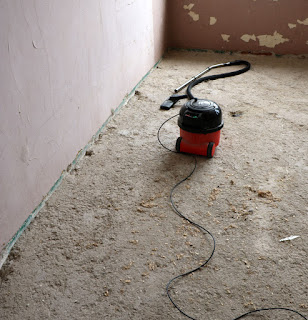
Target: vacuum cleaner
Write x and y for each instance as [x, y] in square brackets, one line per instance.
[200, 120]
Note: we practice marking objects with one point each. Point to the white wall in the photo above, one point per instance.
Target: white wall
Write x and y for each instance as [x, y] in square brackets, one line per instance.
[64, 64]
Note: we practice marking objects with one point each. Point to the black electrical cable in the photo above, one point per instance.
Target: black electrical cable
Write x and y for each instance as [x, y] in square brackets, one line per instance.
[158, 131]
[205, 231]
[219, 76]
[269, 309]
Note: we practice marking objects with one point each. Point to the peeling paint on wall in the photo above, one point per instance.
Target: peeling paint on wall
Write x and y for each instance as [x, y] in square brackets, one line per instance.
[271, 41]
[225, 37]
[188, 7]
[256, 26]
[291, 25]
[213, 20]
[248, 37]
[304, 22]
[193, 15]
[265, 40]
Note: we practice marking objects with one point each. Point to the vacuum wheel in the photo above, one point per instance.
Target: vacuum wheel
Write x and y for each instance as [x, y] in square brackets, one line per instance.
[178, 144]
[210, 150]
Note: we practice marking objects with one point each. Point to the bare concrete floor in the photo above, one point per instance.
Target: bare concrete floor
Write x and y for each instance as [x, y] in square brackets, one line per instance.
[107, 242]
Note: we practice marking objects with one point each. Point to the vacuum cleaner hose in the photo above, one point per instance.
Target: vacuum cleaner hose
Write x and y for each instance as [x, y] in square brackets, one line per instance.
[219, 76]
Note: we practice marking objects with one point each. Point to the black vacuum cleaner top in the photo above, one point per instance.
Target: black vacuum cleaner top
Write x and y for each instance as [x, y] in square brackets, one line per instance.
[200, 116]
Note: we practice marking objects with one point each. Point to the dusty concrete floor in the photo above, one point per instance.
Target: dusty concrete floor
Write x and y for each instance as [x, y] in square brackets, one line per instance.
[107, 242]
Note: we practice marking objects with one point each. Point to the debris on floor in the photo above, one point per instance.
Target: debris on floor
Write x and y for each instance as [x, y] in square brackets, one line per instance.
[89, 254]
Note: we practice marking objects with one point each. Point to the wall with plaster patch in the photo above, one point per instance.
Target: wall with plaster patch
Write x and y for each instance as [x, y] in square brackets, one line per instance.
[258, 26]
[64, 66]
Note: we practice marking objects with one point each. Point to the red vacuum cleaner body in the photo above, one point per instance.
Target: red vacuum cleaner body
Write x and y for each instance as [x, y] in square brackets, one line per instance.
[200, 123]
[200, 120]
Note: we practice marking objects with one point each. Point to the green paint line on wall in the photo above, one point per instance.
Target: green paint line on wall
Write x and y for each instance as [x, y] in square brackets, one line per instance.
[219, 51]
[187, 49]
[200, 50]
[6, 251]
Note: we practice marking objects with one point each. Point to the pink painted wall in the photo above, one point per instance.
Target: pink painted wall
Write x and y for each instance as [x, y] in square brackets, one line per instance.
[64, 65]
[279, 26]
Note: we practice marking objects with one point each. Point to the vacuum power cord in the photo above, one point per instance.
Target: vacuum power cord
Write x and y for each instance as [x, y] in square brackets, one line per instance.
[205, 231]
[202, 229]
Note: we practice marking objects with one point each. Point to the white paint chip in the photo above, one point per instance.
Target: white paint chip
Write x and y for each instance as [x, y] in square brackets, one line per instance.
[193, 15]
[291, 25]
[307, 42]
[248, 37]
[304, 22]
[225, 37]
[213, 20]
[188, 7]
[270, 41]
[289, 238]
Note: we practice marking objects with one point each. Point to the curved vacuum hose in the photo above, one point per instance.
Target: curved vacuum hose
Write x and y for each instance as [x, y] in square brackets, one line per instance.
[219, 76]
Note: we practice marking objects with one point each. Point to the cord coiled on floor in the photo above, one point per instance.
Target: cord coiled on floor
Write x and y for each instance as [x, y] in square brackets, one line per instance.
[205, 231]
